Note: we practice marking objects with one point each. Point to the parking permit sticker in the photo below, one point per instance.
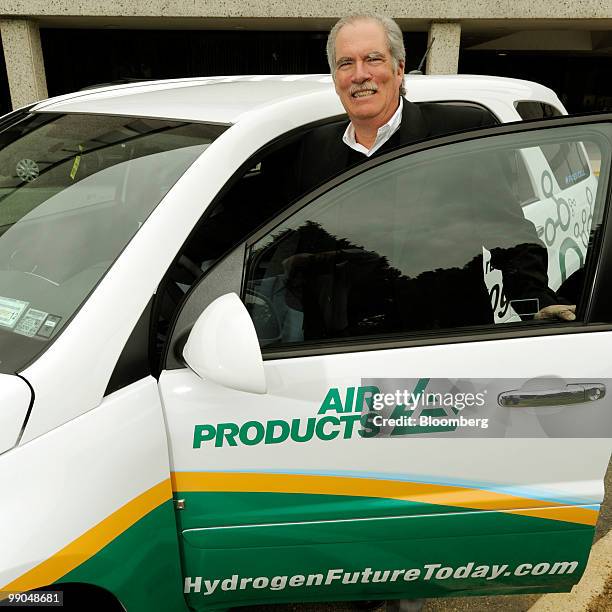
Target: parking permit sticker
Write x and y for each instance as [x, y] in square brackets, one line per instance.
[49, 326]
[75, 165]
[10, 311]
[30, 323]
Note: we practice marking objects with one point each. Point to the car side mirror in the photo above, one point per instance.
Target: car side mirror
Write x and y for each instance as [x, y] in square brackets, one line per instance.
[223, 347]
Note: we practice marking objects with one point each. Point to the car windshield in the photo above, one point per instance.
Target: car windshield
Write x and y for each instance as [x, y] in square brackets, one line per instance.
[74, 190]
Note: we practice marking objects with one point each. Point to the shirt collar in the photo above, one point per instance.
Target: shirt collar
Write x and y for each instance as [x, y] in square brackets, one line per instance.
[384, 133]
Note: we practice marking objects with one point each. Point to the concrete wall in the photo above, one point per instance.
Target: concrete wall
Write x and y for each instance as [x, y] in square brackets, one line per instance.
[444, 40]
[416, 9]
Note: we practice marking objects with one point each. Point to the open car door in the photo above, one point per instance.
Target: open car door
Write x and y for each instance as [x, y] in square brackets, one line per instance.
[406, 445]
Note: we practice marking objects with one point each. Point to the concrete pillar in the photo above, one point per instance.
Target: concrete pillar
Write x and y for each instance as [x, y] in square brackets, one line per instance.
[443, 57]
[24, 61]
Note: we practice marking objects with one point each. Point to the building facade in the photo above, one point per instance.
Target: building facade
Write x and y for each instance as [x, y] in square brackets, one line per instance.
[50, 47]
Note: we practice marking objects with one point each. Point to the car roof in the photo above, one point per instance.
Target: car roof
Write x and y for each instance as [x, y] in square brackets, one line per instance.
[226, 99]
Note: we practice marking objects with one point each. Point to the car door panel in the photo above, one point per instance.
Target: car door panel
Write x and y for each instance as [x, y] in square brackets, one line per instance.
[357, 503]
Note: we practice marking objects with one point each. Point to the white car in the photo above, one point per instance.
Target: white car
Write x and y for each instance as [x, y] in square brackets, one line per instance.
[218, 391]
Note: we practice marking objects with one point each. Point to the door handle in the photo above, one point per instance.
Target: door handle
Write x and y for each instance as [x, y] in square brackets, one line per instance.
[570, 394]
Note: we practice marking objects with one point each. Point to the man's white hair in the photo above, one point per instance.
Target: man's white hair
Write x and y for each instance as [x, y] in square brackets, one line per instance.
[395, 40]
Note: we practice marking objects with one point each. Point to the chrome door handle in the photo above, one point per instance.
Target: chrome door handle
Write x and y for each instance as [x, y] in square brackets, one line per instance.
[570, 394]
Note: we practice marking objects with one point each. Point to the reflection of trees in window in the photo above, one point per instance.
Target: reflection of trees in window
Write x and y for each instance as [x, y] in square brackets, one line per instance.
[345, 290]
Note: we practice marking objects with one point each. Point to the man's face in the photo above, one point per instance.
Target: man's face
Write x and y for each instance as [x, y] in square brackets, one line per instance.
[365, 80]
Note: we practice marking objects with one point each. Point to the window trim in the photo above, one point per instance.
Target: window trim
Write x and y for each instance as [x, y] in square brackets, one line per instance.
[14, 117]
[598, 269]
[361, 345]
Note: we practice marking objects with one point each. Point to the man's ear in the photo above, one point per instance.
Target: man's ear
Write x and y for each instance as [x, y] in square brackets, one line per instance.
[400, 67]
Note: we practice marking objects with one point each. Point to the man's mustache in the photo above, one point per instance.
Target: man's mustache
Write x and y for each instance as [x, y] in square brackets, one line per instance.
[367, 86]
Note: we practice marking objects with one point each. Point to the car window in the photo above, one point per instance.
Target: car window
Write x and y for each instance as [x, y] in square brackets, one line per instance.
[521, 182]
[531, 109]
[567, 162]
[405, 247]
[492, 118]
[74, 190]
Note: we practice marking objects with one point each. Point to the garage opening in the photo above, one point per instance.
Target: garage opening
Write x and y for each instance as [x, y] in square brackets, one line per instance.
[120, 55]
[581, 81]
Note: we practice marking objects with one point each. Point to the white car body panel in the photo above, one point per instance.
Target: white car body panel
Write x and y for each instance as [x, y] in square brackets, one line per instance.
[101, 457]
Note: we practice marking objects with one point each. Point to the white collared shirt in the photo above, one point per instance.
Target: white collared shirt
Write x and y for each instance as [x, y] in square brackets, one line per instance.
[384, 133]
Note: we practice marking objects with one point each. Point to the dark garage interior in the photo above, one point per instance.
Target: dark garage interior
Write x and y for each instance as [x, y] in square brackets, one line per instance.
[79, 58]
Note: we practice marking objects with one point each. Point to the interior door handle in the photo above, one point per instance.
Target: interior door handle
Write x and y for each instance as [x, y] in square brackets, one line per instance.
[570, 394]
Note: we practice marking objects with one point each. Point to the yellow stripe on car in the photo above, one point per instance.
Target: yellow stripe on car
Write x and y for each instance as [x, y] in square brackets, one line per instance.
[92, 541]
[442, 495]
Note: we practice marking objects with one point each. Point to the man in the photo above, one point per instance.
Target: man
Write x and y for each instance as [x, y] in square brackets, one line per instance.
[366, 57]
